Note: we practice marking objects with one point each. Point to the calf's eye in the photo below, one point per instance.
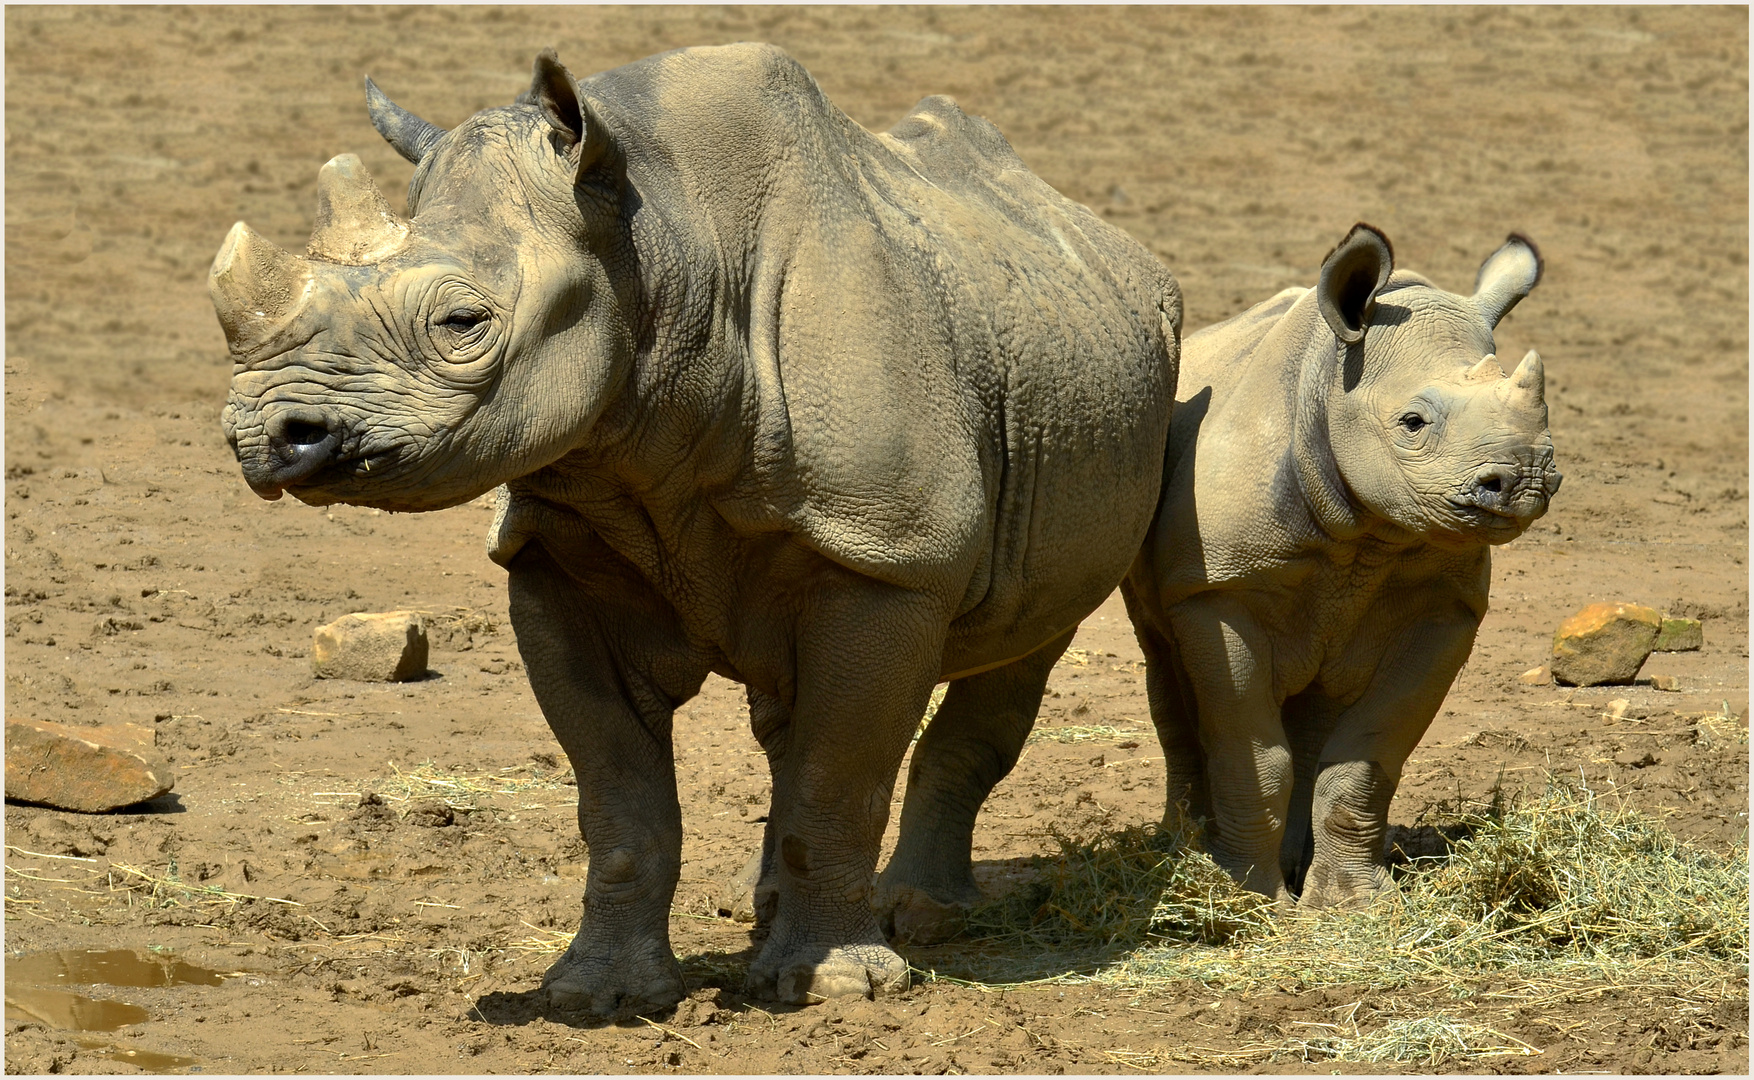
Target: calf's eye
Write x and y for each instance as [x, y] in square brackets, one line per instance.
[1412, 421]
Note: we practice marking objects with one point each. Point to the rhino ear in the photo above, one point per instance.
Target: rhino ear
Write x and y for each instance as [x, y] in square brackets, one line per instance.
[556, 93]
[1352, 274]
[1506, 276]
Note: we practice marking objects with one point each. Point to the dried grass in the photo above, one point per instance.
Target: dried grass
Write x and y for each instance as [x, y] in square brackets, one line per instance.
[169, 890]
[1073, 733]
[459, 791]
[1552, 893]
[1430, 1040]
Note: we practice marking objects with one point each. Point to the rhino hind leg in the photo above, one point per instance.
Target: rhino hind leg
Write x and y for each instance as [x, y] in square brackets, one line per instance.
[589, 649]
[1309, 719]
[1187, 806]
[867, 656]
[973, 741]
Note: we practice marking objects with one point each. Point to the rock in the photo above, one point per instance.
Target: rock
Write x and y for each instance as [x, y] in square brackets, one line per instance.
[386, 646]
[1538, 676]
[432, 813]
[373, 814]
[1665, 682]
[89, 769]
[1679, 635]
[1604, 644]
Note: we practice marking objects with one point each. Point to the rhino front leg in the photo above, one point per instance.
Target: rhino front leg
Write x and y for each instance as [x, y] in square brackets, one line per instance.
[868, 655]
[591, 654]
[1228, 663]
[970, 745]
[1361, 762]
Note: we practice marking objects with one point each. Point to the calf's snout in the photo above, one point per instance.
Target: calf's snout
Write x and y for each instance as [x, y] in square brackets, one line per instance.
[1519, 492]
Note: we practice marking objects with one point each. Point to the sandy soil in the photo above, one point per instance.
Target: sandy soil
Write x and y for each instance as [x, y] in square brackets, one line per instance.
[145, 583]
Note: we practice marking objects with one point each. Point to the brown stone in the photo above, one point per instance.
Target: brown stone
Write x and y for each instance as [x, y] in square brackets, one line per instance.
[386, 646]
[90, 769]
[1679, 635]
[1604, 644]
[1538, 676]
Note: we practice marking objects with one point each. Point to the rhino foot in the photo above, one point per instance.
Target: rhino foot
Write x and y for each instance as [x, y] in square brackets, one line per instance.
[629, 982]
[910, 915]
[1346, 889]
[807, 975]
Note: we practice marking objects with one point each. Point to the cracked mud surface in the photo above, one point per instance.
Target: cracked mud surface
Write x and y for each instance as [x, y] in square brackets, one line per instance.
[145, 583]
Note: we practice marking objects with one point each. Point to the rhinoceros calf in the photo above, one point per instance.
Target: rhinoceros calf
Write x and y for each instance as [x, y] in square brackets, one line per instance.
[835, 414]
[1340, 463]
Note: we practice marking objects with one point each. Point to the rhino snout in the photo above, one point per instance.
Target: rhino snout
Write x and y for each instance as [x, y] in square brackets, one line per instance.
[300, 443]
[1514, 491]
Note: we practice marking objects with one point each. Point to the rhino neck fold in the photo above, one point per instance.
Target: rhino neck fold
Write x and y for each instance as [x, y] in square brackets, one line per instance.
[1324, 490]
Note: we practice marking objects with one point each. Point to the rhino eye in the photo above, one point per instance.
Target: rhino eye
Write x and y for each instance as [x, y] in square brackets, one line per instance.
[464, 320]
[1412, 421]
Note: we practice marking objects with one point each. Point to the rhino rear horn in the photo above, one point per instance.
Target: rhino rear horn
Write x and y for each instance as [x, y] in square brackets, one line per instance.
[554, 90]
[1352, 274]
[406, 133]
[255, 285]
[1506, 276]
[355, 224]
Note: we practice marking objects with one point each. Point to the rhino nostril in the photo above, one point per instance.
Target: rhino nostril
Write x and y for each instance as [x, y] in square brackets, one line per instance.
[1493, 485]
[300, 433]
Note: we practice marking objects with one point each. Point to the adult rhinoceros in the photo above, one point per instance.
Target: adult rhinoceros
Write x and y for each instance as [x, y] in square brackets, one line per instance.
[835, 414]
[1342, 462]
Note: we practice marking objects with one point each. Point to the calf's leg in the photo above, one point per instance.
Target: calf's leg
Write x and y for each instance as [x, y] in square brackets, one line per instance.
[1175, 715]
[1228, 664]
[1361, 762]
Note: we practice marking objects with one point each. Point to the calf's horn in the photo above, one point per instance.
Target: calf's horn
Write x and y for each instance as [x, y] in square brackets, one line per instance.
[255, 285]
[408, 134]
[1487, 370]
[354, 224]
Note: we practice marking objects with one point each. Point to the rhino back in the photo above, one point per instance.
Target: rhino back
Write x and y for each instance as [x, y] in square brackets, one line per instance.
[964, 369]
[1068, 336]
[1228, 501]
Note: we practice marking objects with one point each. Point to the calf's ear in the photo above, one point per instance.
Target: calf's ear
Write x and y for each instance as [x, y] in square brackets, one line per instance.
[556, 92]
[1506, 276]
[1352, 274]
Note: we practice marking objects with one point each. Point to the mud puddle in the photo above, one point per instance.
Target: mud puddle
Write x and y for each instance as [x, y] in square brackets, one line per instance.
[34, 992]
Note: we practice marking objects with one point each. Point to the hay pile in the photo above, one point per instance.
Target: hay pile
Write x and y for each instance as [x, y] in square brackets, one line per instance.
[1562, 887]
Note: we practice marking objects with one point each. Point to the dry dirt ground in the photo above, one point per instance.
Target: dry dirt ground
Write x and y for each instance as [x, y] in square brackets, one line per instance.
[145, 583]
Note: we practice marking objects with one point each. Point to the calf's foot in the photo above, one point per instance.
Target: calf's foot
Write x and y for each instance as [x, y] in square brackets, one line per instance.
[914, 914]
[1323, 888]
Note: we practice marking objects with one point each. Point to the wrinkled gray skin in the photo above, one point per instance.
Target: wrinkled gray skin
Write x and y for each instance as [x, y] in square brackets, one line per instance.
[834, 414]
[1341, 460]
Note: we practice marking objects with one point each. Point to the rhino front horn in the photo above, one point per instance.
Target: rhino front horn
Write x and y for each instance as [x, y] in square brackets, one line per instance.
[355, 225]
[1529, 381]
[255, 285]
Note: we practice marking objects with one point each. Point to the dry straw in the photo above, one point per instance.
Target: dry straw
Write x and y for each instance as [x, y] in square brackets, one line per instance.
[1565, 888]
